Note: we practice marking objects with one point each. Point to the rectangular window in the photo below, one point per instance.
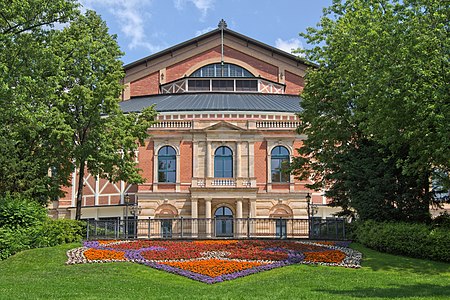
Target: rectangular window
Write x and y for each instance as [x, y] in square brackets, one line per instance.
[198, 85]
[247, 85]
[223, 85]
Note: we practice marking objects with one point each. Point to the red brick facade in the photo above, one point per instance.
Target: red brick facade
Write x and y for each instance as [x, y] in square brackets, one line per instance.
[195, 143]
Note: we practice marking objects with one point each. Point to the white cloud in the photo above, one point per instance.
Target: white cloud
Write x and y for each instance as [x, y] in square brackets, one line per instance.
[288, 45]
[203, 31]
[130, 15]
[202, 5]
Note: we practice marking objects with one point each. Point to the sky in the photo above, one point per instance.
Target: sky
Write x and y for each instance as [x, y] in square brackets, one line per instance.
[144, 27]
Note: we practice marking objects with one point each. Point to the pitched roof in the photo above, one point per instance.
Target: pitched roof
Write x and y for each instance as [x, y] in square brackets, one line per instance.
[215, 102]
[211, 33]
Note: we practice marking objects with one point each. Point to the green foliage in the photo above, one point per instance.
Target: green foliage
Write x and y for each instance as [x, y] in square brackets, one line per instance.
[367, 182]
[19, 212]
[14, 240]
[61, 231]
[32, 128]
[103, 139]
[59, 94]
[442, 221]
[414, 240]
[24, 224]
[380, 92]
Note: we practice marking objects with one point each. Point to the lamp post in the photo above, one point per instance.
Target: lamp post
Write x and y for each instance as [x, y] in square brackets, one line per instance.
[308, 202]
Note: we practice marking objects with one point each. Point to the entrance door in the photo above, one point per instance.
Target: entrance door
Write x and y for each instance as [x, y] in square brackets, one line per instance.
[224, 222]
[166, 228]
[281, 229]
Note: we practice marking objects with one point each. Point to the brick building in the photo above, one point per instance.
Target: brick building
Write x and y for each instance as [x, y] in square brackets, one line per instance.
[227, 117]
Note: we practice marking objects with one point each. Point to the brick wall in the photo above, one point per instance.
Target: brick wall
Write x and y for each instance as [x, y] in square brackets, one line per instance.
[179, 70]
[148, 85]
[261, 164]
[294, 83]
[186, 162]
[146, 161]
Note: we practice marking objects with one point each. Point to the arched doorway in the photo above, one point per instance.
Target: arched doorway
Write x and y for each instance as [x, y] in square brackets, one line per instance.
[224, 222]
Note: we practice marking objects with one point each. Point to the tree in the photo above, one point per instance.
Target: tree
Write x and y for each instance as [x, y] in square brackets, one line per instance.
[382, 78]
[103, 140]
[59, 94]
[31, 127]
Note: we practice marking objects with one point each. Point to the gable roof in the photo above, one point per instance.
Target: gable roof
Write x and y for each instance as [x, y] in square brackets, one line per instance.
[212, 33]
[215, 102]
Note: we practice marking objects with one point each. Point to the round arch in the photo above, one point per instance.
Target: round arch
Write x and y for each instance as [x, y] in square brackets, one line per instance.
[281, 211]
[239, 63]
[166, 210]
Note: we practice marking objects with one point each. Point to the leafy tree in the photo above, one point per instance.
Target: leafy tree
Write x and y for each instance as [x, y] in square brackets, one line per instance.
[31, 127]
[103, 139]
[59, 93]
[382, 78]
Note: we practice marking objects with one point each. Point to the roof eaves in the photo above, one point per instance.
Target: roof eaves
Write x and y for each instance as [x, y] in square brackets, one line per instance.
[171, 49]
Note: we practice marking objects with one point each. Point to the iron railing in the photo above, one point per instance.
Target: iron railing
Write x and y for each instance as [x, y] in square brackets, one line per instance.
[206, 228]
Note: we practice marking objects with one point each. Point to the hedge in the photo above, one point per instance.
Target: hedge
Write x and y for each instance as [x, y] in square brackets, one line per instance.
[413, 240]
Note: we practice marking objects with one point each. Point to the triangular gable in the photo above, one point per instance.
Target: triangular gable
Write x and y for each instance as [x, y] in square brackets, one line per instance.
[223, 126]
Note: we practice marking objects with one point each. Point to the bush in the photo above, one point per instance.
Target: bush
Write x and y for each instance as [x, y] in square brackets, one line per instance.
[17, 212]
[56, 232]
[413, 240]
[24, 224]
[14, 240]
[442, 221]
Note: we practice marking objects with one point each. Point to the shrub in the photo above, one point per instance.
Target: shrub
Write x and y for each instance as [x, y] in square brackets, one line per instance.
[14, 240]
[17, 212]
[56, 232]
[442, 221]
[414, 240]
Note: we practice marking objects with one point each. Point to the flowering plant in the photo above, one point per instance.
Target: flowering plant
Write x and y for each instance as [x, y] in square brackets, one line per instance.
[214, 261]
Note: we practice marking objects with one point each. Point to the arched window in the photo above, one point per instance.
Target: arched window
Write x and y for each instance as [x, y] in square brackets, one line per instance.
[219, 70]
[223, 163]
[223, 212]
[167, 164]
[279, 162]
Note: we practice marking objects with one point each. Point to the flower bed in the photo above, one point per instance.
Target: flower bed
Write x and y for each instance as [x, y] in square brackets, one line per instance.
[214, 261]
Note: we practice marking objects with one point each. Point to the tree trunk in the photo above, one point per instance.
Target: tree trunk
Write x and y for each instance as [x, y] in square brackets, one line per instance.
[80, 190]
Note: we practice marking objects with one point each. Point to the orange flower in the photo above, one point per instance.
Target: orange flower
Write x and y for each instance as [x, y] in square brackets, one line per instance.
[99, 254]
[330, 256]
[213, 267]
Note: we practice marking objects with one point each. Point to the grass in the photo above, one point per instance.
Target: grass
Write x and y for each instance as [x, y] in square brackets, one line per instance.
[42, 274]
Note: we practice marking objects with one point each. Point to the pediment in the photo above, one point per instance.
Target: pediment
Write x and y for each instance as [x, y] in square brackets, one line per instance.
[223, 126]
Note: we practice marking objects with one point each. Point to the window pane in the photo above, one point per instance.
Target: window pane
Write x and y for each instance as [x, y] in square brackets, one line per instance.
[215, 70]
[171, 165]
[222, 85]
[161, 177]
[171, 176]
[246, 85]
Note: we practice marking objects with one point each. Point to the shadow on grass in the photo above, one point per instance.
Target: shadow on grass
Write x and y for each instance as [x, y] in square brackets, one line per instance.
[398, 291]
[377, 261]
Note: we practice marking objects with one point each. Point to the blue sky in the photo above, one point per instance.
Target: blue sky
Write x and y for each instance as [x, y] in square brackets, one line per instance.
[144, 27]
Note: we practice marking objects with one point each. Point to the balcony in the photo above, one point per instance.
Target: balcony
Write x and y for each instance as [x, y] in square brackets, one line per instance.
[211, 182]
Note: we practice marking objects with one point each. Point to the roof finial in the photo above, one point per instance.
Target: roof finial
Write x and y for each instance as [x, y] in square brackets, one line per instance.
[222, 24]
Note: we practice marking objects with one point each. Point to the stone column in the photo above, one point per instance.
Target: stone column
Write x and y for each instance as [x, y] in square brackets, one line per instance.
[239, 221]
[208, 214]
[194, 216]
[208, 164]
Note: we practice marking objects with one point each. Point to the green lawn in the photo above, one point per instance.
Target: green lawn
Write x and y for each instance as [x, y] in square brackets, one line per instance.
[42, 274]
